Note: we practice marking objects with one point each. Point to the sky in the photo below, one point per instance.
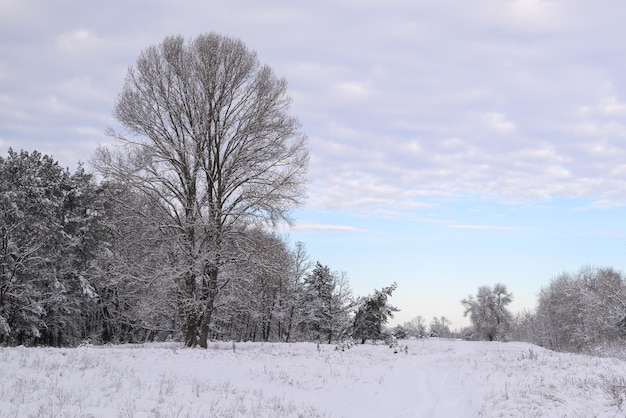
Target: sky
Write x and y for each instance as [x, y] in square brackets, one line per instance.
[453, 144]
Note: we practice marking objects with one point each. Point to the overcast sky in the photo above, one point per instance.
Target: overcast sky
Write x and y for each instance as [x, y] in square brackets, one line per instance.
[453, 143]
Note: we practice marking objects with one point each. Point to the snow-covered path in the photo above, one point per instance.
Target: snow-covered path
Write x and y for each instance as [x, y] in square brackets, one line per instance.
[436, 378]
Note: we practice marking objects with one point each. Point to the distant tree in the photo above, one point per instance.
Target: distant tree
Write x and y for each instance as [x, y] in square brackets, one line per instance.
[467, 333]
[208, 140]
[488, 312]
[524, 326]
[400, 332]
[416, 327]
[440, 327]
[372, 312]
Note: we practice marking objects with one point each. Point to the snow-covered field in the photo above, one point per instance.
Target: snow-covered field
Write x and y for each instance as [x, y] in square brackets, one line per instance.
[435, 378]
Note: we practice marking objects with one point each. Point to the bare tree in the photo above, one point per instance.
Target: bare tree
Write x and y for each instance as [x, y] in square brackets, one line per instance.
[581, 311]
[488, 311]
[301, 264]
[250, 306]
[416, 327]
[208, 138]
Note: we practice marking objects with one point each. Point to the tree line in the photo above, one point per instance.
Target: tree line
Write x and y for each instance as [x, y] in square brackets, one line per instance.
[583, 311]
[81, 259]
[85, 260]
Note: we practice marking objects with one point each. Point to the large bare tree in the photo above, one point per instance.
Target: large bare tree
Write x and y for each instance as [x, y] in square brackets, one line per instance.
[207, 136]
[488, 312]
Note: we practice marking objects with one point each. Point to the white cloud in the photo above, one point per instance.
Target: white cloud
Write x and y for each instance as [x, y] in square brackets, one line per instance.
[485, 227]
[533, 9]
[498, 123]
[325, 227]
[78, 41]
[414, 147]
[613, 106]
[351, 90]
[510, 100]
[606, 204]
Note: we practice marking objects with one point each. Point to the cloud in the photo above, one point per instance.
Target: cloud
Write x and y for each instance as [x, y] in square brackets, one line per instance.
[613, 106]
[535, 12]
[485, 227]
[325, 227]
[78, 41]
[498, 123]
[351, 90]
[602, 204]
[514, 100]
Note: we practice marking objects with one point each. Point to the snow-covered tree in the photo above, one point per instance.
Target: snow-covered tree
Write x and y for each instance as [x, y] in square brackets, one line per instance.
[207, 138]
[136, 298]
[49, 226]
[416, 327]
[372, 313]
[400, 332]
[293, 309]
[524, 326]
[581, 310]
[559, 314]
[488, 312]
[440, 327]
[253, 305]
[325, 301]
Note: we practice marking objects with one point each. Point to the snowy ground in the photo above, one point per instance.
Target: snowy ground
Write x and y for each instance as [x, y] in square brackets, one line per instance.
[436, 378]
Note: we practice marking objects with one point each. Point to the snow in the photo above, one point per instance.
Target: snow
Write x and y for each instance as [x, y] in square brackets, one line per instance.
[435, 378]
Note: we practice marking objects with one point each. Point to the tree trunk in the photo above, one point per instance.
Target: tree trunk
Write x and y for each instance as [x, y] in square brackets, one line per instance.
[191, 330]
[290, 324]
[209, 305]
[189, 310]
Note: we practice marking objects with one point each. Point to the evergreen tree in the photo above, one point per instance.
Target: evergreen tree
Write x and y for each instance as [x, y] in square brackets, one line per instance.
[325, 302]
[48, 228]
[372, 313]
[317, 297]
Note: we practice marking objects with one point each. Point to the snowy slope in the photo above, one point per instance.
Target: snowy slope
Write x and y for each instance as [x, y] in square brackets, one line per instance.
[436, 378]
